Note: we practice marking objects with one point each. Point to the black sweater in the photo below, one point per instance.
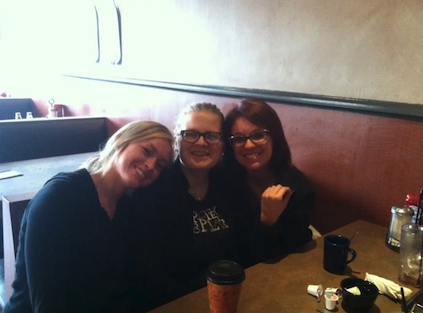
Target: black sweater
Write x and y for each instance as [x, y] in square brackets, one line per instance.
[260, 242]
[178, 236]
[71, 257]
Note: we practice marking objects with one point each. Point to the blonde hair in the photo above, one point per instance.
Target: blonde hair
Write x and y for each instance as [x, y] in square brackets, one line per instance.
[197, 107]
[121, 139]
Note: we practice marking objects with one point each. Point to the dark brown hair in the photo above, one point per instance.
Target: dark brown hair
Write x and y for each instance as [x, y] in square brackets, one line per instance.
[263, 115]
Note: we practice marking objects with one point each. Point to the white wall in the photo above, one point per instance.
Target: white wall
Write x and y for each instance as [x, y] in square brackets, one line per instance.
[358, 49]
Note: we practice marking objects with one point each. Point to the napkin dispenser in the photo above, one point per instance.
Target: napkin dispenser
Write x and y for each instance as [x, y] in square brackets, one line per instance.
[399, 216]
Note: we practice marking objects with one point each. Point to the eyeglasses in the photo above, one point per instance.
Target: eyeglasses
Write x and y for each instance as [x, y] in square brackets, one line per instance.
[257, 137]
[192, 136]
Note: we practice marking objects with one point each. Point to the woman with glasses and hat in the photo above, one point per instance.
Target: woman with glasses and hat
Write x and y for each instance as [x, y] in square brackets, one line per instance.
[192, 219]
[278, 197]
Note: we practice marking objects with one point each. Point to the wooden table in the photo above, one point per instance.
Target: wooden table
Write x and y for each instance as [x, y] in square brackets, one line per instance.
[37, 171]
[281, 286]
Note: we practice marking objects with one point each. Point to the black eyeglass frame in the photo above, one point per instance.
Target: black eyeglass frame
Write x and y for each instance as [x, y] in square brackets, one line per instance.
[266, 131]
[182, 134]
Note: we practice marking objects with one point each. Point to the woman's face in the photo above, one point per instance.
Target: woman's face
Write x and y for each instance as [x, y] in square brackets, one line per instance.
[142, 161]
[200, 154]
[253, 156]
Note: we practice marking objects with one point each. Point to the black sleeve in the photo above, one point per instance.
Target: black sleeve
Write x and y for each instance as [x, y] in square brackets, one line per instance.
[154, 285]
[46, 241]
[295, 220]
[291, 230]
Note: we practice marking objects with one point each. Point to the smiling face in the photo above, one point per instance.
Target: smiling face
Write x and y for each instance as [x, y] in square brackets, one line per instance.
[142, 161]
[200, 155]
[252, 156]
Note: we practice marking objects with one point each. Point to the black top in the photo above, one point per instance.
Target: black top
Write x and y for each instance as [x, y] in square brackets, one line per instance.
[71, 257]
[261, 242]
[184, 236]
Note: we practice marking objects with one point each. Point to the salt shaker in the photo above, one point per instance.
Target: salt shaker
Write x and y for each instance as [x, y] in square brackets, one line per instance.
[18, 116]
[400, 216]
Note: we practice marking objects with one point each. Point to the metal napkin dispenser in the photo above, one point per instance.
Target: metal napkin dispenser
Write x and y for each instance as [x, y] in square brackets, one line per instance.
[399, 216]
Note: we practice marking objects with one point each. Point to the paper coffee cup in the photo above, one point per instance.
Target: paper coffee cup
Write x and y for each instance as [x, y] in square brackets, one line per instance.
[330, 301]
[224, 281]
[315, 290]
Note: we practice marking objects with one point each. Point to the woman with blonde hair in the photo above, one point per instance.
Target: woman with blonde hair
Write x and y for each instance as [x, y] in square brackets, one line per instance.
[74, 244]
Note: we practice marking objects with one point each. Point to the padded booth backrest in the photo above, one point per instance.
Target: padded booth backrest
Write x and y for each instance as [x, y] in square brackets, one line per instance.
[42, 137]
[9, 106]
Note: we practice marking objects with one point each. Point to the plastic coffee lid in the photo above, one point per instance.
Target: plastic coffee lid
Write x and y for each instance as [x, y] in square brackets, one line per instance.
[225, 272]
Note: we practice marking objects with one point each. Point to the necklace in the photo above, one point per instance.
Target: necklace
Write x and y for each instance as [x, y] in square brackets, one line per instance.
[197, 196]
[198, 184]
[199, 193]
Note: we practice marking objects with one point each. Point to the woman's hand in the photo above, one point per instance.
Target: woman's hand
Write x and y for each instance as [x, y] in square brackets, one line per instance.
[273, 202]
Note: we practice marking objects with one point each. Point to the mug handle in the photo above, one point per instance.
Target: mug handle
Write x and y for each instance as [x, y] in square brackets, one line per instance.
[354, 255]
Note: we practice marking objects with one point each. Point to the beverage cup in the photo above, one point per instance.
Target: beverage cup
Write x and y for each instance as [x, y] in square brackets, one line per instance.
[410, 267]
[336, 252]
[315, 290]
[330, 301]
[224, 282]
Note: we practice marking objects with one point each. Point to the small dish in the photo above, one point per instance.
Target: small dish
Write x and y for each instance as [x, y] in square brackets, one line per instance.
[363, 301]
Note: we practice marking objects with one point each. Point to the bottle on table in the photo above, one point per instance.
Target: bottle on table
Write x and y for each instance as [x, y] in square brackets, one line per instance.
[399, 216]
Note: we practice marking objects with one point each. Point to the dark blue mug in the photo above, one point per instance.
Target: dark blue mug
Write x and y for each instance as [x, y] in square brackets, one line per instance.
[336, 253]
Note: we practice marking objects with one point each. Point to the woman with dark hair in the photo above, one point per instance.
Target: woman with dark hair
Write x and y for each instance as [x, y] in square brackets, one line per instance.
[278, 196]
[192, 215]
